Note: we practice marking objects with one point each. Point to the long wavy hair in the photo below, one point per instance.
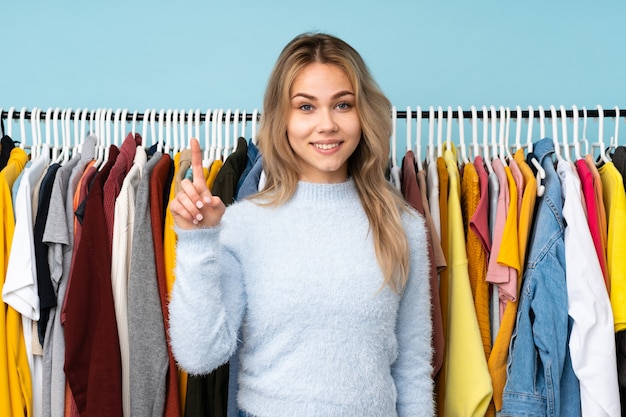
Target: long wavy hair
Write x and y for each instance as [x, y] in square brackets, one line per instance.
[382, 203]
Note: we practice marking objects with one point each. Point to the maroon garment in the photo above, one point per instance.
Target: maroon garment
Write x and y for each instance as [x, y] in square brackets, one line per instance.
[92, 353]
[413, 195]
[114, 181]
[160, 181]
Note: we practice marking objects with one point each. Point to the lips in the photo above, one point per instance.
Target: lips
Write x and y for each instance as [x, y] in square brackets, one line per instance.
[326, 146]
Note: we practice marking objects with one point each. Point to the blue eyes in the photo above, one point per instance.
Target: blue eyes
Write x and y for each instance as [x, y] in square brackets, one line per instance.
[340, 106]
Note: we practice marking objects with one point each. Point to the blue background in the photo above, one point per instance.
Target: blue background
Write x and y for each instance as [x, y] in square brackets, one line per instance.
[208, 54]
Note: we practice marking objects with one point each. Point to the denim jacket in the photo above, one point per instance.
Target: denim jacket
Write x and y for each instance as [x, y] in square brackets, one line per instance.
[540, 377]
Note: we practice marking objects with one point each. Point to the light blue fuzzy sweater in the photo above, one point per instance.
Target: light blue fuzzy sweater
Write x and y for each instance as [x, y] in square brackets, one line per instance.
[320, 336]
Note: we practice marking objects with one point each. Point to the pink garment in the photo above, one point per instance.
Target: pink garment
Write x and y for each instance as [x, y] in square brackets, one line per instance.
[497, 273]
[589, 193]
[479, 223]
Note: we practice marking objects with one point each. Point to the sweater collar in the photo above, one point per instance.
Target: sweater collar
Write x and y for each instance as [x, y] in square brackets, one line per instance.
[321, 192]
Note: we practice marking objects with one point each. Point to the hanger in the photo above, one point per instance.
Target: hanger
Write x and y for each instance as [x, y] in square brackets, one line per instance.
[178, 145]
[501, 138]
[518, 128]
[542, 122]
[107, 147]
[255, 116]
[418, 137]
[529, 133]
[439, 131]
[614, 142]
[565, 141]
[22, 127]
[394, 120]
[161, 145]
[409, 119]
[575, 139]
[153, 131]
[475, 131]
[603, 156]
[196, 123]
[9, 121]
[494, 143]
[206, 160]
[116, 127]
[431, 134]
[243, 123]
[220, 132]
[133, 126]
[464, 159]
[213, 139]
[226, 150]
[449, 129]
[507, 149]
[555, 134]
[47, 124]
[167, 126]
[541, 173]
[145, 121]
[486, 156]
[82, 132]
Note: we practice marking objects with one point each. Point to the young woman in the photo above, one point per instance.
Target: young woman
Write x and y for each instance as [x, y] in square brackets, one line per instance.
[324, 273]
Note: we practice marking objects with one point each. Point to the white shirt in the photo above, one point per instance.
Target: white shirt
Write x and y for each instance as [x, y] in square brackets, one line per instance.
[592, 339]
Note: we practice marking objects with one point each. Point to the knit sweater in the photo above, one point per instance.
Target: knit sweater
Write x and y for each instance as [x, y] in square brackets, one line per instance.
[321, 335]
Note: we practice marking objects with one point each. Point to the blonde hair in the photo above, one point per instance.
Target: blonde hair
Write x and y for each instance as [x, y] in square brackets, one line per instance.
[382, 203]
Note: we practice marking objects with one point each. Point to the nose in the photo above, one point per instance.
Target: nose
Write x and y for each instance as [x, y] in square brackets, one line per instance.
[327, 122]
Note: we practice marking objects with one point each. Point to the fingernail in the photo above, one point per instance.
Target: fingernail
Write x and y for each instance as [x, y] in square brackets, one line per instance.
[195, 221]
[207, 199]
[199, 217]
[199, 204]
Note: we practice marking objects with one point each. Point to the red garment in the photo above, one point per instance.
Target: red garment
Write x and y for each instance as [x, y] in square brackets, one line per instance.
[413, 195]
[92, 352]
[113, 184]
[160, 181]
[589, 193]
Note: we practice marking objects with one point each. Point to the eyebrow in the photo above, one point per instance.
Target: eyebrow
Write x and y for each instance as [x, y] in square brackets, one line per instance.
[334, 97]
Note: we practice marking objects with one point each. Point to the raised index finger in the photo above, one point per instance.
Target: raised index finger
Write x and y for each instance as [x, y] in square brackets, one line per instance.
[196, 163]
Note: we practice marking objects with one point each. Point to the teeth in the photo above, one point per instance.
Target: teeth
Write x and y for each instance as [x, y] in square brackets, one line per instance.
[325, 146]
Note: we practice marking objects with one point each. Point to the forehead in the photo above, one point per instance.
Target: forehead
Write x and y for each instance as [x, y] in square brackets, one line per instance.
[318, 76]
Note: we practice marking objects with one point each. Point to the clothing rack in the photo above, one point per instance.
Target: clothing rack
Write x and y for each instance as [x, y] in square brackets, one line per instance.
[236, 115]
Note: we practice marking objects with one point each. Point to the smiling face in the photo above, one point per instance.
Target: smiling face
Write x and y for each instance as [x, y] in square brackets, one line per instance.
[323, 126]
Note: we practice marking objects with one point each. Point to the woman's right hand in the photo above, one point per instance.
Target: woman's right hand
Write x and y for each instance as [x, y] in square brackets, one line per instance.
[194, 206]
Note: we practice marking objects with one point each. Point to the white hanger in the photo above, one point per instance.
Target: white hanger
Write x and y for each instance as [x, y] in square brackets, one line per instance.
[555, 133]
[603, 154]
[486, 155]
[133, 126]
[145, 122]
[529, 133]
[23, 127]
[518, 127]
[116, 127]
[65, 140]
[197, 124]
[94, 121]
[48, 123]
[494, 143]
[464, 159]
[236, 126]
[476, 147]
[220, 132]
[409, 119]
[34, 116]
[614, 138]
[108, 123]
[566, 146]
[243, 123]
[575, 138]
[206, 160]
[75, 144]
[167, 126]
[57, 150]
[185, 119]
[161, 145]
[394, 119]
[418, 137]
[9, 121]
[449, 129]
[507, 148]
[501, 139]
[153, 131]
[173, 117]
[431, 134]
[82, 134]
[255, 116]
[439, 131]
[226, 150]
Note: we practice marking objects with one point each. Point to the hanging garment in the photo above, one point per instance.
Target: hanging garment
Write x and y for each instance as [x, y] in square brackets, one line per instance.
[541, 380]
[16, 386]
[411, 192]
[149, 362]
[592, 340]
[500, 352]
[121, 254]
[468, 385]
[59, 236]
[92, 353]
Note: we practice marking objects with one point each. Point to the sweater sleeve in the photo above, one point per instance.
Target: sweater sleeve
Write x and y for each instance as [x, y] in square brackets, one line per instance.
[207, 302]
[412, 368]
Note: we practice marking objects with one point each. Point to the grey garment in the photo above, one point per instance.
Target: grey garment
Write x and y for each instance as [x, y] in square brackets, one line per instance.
[60, 183]
[59, 236]
[149, 361]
